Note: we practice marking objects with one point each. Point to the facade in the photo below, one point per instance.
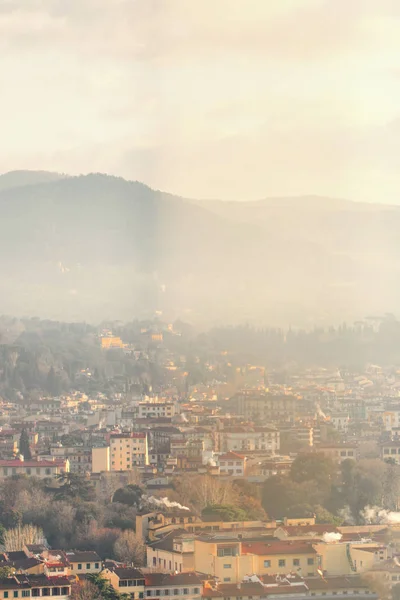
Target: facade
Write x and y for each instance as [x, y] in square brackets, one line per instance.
[83, 562]
[128, 450]
[156, 409]
[240, 438]
[338, 452]
[35, 586]
[230, 560]
[79, 457]
[391, 450]
[126, 580]
[33, 468]
[258, 406]
[232, 463]
[187, 585]
[100, 459]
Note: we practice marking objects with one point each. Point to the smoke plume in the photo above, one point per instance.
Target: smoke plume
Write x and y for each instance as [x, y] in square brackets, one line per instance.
[165, 503]
[378, 515]
[332, 537]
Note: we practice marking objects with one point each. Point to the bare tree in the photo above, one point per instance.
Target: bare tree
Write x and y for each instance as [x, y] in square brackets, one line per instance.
[85, 590]
[130, 548]
[15, 539]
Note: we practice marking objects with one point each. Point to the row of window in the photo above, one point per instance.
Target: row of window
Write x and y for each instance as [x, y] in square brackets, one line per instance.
[342, 593]
[282, 562]
[175, 592]
[392, 451]
[27, 471]
[88, 566]
[56, 591]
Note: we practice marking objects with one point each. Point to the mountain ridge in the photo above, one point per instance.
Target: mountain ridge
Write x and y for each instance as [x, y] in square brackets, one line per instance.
[97, 246]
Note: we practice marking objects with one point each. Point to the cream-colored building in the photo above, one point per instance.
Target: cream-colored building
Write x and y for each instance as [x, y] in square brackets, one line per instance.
[100, 459]
[128, 450]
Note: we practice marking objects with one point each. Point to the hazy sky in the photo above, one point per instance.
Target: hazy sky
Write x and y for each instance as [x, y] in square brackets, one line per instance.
[206, 98]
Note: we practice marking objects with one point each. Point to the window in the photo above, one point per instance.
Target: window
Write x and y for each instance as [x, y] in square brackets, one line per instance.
[96, 565]
[5, 594]
[16, 594]
[227, 566]
[282, 562]
[148, 593]
[154, 561]
[267, 563]
[185, 591]
[48, 472]
[5, 472]
[310, 561]
[141, 595]
[88, 565]
[227, 578]
[296, 562]
[79, 567]
[196, 591]
[166, 592]
[176, 592]
[28, 472]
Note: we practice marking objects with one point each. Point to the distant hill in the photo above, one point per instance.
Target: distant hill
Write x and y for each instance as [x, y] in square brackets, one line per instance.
[95, 246]
[21, 178]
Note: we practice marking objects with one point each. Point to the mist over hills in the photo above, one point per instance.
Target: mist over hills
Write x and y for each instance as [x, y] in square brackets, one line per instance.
[96, 246]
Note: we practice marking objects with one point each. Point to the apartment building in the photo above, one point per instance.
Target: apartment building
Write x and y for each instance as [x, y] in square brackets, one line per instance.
[258, 406]
[243, 438]
[128, 450]
[156, 409]
[79, 457]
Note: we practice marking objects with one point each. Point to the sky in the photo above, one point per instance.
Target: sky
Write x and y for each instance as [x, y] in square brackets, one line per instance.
[231, 99]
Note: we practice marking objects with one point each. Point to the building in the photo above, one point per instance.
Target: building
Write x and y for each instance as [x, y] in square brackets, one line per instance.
[391, 449]
[174, 552]
[108, 342]
[128, 450]
[156, 409]
[83, 562]
[290, 585]
[241, 438]
[232, 463]
[126, 580]
[34, 468]
[100, 459]
[258, 406]
[187, 585]
[79, 457]
[26, 586]
[231, 559]
[337, 452]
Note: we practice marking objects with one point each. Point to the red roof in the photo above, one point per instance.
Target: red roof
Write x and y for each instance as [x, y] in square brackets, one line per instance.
[231, 456]
[262, 548]
[58, 462]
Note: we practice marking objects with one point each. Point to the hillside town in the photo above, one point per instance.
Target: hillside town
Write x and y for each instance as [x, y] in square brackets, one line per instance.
[251, 483]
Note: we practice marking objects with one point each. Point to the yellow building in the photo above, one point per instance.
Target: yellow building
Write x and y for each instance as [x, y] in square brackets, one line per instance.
[111, 342]
[231, 560]
[128, 450]
[126, 580]
[348, 558]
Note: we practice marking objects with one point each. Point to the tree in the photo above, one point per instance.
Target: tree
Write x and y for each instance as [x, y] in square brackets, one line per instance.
[15, 539]
[6, 572]
[130, 495]
[85, 590]
[313, 467]
[223, 512]
[106, 590]
[24, 447]
[130, 548]
[74, 486]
